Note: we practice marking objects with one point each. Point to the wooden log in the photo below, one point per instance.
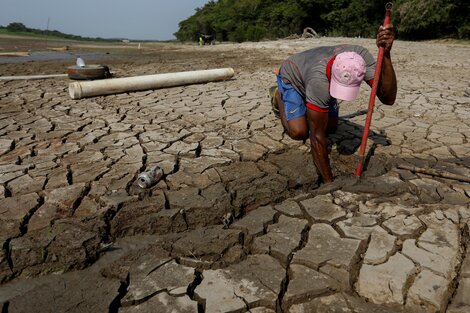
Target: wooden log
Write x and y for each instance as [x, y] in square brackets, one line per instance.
[434, 172]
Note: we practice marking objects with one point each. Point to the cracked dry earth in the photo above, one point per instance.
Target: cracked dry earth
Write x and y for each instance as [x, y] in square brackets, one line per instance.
[237, 224]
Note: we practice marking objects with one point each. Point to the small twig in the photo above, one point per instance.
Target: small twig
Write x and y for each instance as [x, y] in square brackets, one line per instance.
[433, 172]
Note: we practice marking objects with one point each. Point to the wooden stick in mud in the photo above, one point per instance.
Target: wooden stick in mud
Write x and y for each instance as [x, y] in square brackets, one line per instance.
[433, 172]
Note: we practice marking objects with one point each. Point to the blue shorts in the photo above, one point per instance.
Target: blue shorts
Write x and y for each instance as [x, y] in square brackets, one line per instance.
[294, 103]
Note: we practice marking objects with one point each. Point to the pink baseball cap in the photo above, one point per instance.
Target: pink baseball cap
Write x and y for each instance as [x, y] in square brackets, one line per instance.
[347, 74]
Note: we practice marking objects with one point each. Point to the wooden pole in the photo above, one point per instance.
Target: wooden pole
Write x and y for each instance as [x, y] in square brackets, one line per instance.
[433, 172]
[378, 69]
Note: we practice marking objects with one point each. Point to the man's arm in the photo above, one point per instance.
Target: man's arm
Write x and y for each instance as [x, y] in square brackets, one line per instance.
[387, 88]
[317, 123]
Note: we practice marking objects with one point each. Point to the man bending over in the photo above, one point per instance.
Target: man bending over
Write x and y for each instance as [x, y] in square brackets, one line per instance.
[310, 83]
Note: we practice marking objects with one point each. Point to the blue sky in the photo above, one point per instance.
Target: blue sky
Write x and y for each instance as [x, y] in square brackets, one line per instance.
[133, 19]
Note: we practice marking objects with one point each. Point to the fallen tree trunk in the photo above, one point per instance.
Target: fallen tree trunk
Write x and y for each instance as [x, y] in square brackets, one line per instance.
[80, 90]
[309, 33]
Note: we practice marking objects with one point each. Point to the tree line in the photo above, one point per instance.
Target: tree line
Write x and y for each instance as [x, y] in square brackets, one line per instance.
[254, 20]
[17, 27]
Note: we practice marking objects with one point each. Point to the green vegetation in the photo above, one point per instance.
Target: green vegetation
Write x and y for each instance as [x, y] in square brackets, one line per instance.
[254, 20]
[4, 31]
[19, 29]
[420, 19]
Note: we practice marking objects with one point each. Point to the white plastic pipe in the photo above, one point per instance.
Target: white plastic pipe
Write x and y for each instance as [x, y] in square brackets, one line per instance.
[32, 77]
[78, 90]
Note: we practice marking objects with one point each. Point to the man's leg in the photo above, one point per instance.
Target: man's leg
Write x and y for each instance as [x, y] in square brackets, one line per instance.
[297, 127]
[292, 110]
[333, 114]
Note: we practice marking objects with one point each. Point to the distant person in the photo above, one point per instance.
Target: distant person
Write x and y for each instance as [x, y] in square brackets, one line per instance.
[310, 83]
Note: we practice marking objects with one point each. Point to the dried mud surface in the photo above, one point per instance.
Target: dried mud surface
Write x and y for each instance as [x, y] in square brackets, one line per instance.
[238, 223]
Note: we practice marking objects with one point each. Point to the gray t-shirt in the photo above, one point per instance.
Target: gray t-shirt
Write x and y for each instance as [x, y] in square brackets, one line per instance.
[306, 71]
